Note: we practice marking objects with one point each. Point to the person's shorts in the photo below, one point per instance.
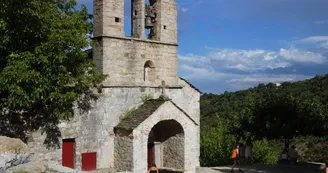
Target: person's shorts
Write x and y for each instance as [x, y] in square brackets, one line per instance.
[236, 158]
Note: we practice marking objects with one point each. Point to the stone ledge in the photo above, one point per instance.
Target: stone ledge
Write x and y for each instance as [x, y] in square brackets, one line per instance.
[144, 86]
[136, 39]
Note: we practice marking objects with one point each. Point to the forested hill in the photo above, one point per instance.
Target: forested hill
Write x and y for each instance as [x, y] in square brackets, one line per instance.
[272, 117]
[264, 108]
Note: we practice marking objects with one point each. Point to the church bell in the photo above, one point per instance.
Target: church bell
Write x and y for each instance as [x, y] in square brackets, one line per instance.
[148, 23]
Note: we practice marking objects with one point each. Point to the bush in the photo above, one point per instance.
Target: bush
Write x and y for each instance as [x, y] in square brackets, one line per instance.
[216, 146]
[311, 148]
[266, 152]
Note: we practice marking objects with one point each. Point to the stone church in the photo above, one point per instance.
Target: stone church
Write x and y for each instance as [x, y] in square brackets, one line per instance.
[145, 113]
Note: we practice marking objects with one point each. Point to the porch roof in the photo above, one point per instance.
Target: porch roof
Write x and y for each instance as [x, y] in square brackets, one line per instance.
[137, 116]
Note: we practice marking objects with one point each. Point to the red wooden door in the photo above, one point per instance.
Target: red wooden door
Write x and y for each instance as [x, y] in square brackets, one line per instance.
[89, 161]
[68, 153]
[150, 154]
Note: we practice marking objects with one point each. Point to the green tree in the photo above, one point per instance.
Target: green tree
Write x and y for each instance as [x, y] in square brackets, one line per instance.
[266, 113]
[216, 146]
[44, 69]
[285, 116]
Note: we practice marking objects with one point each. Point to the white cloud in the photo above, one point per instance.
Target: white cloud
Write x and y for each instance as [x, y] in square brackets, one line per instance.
[265, 78]
[319, 22]
[321, 41]
[325, 45]
[302, 56]
[184, 10]
[238, 81]
[247, 81]
[194, 58]
[240, 69]
[251, 60]
[248, 60]
[313, 39]
[203, 73]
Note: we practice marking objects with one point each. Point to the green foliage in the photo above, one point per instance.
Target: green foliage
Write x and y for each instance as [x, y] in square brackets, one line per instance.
[127, 113]
[311, 148]
[264, 151]
[216, 146]
[146, 97]
[43, 68]
[267, 113]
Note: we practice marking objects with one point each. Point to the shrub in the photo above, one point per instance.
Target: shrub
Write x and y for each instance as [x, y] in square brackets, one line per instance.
[216, 146]
[311, 148]
[266, 152]
[146, 97]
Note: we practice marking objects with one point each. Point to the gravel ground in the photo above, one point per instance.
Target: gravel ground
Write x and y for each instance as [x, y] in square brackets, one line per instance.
[259, 168]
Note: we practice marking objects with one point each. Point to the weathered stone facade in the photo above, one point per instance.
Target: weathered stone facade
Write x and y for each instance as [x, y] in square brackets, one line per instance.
[123, 153]
[191, 141]
[126, 59]
[174, 152]
[135, 66]
[126, 62]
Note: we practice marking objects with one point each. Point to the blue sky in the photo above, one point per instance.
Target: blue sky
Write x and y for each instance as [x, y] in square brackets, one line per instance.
[229, 45]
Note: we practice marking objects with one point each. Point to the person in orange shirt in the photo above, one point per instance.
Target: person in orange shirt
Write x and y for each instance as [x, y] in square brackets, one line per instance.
[234, 156]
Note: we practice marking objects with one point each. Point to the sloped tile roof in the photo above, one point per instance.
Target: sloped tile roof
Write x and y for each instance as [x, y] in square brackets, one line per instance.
[128, 124]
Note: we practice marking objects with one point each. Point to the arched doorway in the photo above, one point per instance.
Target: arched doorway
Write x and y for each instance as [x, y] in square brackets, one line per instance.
[166, 145]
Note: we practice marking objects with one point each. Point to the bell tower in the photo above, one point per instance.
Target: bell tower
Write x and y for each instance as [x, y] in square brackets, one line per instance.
[108, 18]
[142, 59]
[159, 16]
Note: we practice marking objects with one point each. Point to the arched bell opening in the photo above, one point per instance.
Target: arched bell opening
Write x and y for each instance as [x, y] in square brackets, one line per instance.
[150, 19]
[149, 71]
[166, 145]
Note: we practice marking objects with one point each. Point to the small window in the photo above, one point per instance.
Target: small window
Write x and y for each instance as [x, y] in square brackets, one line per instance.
[164, 26]
[135, 12]
[149, 71]
[117, 19]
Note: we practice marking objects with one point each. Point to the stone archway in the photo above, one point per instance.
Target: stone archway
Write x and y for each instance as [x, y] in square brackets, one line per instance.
[167, 112]
[166, 145]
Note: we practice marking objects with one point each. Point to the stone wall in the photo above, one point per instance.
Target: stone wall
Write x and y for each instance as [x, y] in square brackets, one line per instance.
[173, 152]
[108, 17]
[187, 99]
[191, 137]
[167, 22]
[123, 153]
[93, 131]
[138, 19]
[123, 60]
